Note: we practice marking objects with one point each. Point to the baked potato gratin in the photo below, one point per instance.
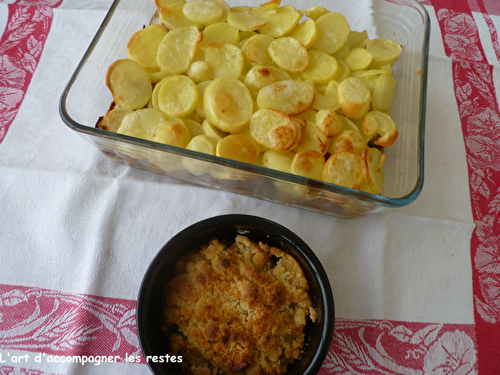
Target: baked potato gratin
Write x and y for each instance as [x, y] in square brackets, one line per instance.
[293, 90]
[237, 308]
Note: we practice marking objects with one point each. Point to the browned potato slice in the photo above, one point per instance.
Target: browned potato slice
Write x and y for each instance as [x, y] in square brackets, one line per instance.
[177, 96]
[313, 140]
[221, 32]
[308, 163]
[358, 59]
[344, 169]
[280, 21]
[261, 76]
[383, 92]
[289, 54]
[278, 160]
[256, 50]
[333, 31]
[348, 140]
[228, 104]
[238, 147]
[245, 21]
[141, 123]
[173, 133]
[273, 129]
[321, 69]
[142, 47]
[329, 123]
[305, 32]
[291, 96]
[354, 97]
[384, 51]
[177, 49]
[225, 60]
[204, 12]
[380, 124]
[113, 119]
[129, 84]
[372, 161]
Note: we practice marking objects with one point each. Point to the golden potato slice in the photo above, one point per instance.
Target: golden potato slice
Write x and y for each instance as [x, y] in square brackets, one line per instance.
[291, 96]
[329, 123]
[273, 129]
[204, 12]
[261, 76]
[129, 84]
[256, 50]
[305, 32]
[238, 147]
[142, 47]
[221, 32]
[173, 133]
[333, 31]
[357, 39]
[141, 123]
[313, 140]
[278, 160]
[245, 21]
[203, 143]
[384, 51]
[280, 21]
[301, 131]
[270, 5]
[344, 71]
[354, 97]
[321, 69]
[358, 59]
[177, 96]
[199, 107]
[329, 100]
[316, 12]
[383, 92]
[173, 16]
[194, 127]
[177, 49]
[380, 125]
[225, 60]
[344, 169]
[289, 54]
[372, 161]
[228, 104]
[226, 9]
[342, 53]
[199, 71]
[348, 140]
[113, 119]
[156, 90]
[212, 131]
[165, 3]
[308, 163]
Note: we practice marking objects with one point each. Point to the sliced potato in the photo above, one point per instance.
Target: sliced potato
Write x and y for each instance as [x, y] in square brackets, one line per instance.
[354, 97]
[313, 140]
[165, 3]
[173, 133]
[273, 129]
[177, 49]
[383, 92]
[384, 51]
[321, 69]
[141, 123]
[289, 54]
[178, 96]
[280, 21]
[203, 143]
[333, 31]
[305, 32]
[204, 12]
[194, 127]
[278, 160]
[308, 163]
[221, 32]
[344, 169]
[129, 84]
[358, 59]
[228, 104]
[245, 21]
[348, 140]
[238, 147]
[256, 50]
[357, 39]
[173, 16]
[329, 100]
[113, 119]
[212, 131]
[143, 47]
[260, 76]
[316, 12]
[373, 161]
[290, 96]
[199, 71]
[381, 126]
[199, 107]
[329, 123]
[225, 60]
[271, 4]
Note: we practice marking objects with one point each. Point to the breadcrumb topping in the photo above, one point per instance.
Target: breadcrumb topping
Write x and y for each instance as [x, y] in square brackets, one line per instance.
[238, 309]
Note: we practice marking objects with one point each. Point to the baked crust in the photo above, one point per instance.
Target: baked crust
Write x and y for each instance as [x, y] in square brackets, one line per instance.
[238, 309]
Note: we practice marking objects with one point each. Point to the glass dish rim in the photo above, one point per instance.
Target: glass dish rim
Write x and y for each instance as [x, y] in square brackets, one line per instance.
[378, 200]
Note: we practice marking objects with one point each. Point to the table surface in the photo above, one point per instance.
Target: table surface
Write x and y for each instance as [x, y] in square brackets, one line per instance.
[417, 289]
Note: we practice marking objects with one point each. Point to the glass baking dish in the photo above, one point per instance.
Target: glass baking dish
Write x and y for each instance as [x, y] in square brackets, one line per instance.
[86, 98]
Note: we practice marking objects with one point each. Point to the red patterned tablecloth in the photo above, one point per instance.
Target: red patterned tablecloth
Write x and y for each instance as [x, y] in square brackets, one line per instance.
[46, 315]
